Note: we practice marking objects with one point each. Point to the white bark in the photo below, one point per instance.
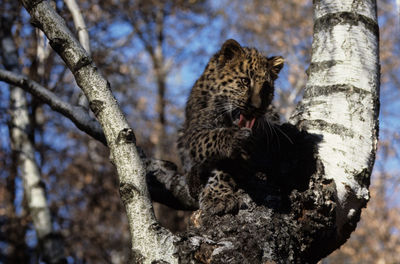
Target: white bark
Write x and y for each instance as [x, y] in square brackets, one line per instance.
[80, 25]
[42, 51]
[34, 188]
[83, 37]
[398, 11]
[340, 105]
[150, 242]
[78, 115]
[34, 191]
[341, 98]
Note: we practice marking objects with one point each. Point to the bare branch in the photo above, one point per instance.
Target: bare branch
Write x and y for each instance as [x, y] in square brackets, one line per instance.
[150, 242]
[79, 24]
[166, 185]
[83, 36]
[51, 244]
[78, 115]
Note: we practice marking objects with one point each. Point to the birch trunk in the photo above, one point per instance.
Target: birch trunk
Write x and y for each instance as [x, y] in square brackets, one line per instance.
[150, 242]
[324, 170]
[339, 112]
[51, 244]
[80, 25]
[83, 37]
[341, 100]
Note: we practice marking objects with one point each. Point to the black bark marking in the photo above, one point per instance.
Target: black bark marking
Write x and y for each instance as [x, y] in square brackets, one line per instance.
[363, 178]
[350, 18]
[31, 4]
[35, 23]
[126, 135]
[314, 91]
[159, 262]
[58, 44]
[40, 184]
[52, 246]
[137, 257]
[127, 192]
[331, 127]
[320, 66]
[97, 106]
[84, 61]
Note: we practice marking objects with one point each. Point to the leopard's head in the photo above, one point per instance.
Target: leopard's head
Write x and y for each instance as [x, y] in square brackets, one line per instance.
[246, 81]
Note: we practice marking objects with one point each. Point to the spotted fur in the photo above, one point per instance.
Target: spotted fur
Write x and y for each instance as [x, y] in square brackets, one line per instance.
[229, 100]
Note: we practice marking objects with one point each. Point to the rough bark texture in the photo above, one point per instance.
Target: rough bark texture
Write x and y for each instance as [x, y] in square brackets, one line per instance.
[309, 196]
[150, 242]
[78, 115]
[341, 101]
[287, 216]
[166, 185]
[328, 166]
[51, 244]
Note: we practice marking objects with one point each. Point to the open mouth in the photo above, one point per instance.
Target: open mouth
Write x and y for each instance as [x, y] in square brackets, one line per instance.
[241, 120]
[245, 122]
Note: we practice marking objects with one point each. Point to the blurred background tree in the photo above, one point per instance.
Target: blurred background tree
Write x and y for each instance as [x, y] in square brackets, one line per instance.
[152, 52]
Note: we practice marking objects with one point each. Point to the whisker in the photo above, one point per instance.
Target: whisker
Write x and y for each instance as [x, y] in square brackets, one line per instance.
[283, 133]
[277, 137]
[270, 130]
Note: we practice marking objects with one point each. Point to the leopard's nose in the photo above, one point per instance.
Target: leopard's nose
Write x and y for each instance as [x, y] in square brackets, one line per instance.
[255, 100]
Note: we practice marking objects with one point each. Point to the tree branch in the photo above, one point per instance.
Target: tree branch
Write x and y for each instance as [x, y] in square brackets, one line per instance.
[150, 242]
[83, 36]
[166, 185]
[50, 243]
[78, 115]
[79, 24]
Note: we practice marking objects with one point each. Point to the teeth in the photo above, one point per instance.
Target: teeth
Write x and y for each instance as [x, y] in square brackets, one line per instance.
[243, 122]
[241, 118]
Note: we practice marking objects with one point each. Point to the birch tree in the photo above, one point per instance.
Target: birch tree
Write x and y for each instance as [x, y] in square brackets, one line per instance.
[341, 101]
[21, 143]
[322, 172]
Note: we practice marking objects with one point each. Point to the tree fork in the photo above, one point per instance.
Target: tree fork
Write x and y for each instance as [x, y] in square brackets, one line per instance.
[151, 241]
[326, 172]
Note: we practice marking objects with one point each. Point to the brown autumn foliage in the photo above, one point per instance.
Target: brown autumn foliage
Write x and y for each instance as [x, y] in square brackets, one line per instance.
[81, 183]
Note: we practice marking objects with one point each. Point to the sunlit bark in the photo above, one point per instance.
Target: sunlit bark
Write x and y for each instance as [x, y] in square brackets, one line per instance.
[341, 100]
[150, 242]
[336, 150]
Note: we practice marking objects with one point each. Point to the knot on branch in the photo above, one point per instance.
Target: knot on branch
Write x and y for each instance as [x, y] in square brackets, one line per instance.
[96, 106]
[29, 5]
[84, 61]
[128, 191]
[35, 23]
[126, 135]
[58, 44]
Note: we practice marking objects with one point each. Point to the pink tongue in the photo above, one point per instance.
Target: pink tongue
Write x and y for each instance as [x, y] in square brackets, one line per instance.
[243, 122]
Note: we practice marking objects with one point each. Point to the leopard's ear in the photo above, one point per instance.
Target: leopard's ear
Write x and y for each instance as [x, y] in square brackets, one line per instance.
[275, 65]
[230, 50]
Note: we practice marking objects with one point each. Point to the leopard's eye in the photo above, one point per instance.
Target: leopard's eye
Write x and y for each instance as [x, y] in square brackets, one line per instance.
[245, 81]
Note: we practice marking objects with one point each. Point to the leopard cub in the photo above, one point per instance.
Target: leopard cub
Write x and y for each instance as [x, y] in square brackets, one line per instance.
[227, 104]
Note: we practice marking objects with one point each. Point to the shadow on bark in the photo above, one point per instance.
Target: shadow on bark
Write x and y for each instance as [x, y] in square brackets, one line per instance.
[287, 212]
